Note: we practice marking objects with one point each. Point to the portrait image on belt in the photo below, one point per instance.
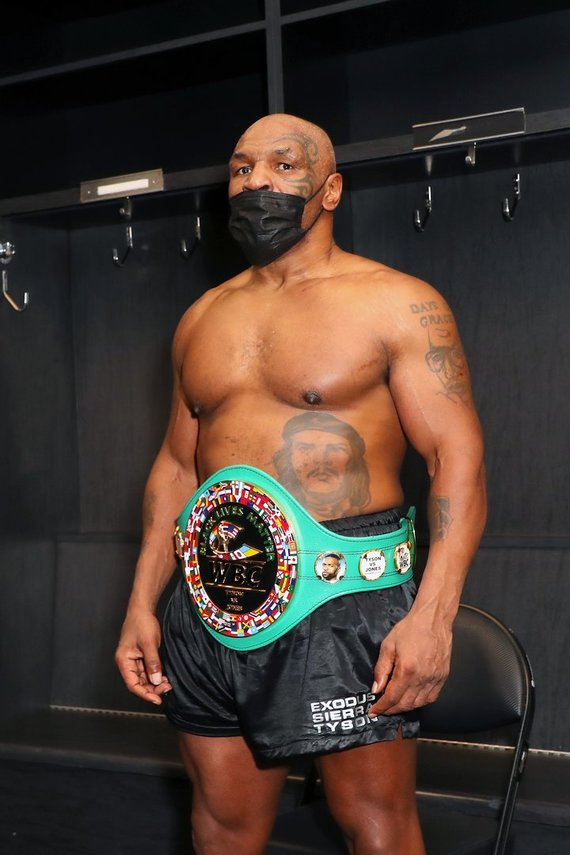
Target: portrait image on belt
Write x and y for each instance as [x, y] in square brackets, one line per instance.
[330, 567]
[296, 626]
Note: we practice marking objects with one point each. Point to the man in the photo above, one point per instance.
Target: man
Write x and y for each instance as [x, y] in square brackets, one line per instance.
[257, 393]
[331, 567]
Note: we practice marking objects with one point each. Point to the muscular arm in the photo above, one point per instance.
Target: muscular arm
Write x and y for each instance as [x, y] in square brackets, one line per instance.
[171, 481]
[430, 384]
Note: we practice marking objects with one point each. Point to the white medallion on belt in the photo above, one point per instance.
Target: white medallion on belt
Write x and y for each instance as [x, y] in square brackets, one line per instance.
[372, 564]
[403, 557]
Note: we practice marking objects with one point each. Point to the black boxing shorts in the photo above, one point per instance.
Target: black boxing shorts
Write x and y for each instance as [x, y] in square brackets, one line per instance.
[308, 692]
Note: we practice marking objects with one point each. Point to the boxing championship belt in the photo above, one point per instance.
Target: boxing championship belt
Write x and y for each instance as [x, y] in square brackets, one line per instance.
[257, 563]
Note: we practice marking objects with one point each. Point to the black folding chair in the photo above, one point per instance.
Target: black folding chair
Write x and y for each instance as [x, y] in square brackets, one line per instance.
[489, 691]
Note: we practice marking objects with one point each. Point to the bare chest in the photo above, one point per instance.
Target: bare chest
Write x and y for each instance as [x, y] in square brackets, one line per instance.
[313, 356]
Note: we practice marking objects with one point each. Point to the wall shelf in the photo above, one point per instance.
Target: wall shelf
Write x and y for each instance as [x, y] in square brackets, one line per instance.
[389, 160]
[130, 55]
[69, 38]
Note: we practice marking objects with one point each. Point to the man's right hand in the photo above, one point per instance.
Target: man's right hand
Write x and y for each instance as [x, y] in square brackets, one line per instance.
[137, 657]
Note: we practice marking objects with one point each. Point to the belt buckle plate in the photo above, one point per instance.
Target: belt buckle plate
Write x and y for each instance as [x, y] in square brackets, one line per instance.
[240, 556]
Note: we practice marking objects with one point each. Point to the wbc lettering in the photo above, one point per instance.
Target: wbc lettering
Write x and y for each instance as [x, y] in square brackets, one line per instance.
[235, 574]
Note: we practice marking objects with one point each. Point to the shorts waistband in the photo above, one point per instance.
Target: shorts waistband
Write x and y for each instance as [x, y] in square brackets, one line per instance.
[257, 563]
[361, 525]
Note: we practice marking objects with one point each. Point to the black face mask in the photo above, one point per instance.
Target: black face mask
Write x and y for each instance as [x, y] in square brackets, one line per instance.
[266, 223]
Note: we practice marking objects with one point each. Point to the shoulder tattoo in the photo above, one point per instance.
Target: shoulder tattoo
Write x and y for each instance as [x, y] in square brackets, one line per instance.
[445, 356]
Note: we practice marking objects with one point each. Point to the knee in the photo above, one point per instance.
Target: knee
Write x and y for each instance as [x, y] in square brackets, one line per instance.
[219, 832]
[211, 829]
[209, 826]
[221, 841]
[373, 832]
[212, 838]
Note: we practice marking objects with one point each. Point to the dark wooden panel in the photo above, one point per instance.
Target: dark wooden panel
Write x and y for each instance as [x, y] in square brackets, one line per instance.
[529, 590]
[310, 67]
[27, 571]
[93, 586]
[47, 810]
[395, 64]
[38, 454]
[124, 322]
[172, 111]
[514, 64]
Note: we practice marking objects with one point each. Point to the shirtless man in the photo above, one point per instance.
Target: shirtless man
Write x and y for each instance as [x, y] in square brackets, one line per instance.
[256, 383]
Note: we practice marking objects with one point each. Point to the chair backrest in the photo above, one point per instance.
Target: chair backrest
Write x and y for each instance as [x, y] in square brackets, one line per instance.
[490, 683]
[490, 686]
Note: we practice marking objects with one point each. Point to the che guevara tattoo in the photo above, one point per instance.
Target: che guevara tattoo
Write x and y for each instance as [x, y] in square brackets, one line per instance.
[321, 462]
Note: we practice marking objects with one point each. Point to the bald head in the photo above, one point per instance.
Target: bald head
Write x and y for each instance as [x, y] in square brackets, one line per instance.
[292, 131]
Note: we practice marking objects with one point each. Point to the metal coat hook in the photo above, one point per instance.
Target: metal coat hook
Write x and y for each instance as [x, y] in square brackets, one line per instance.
[126, 212]
[509, 208]
[9, 297]
[419, 222]
[471, 156]
[185, 252]
[7, 252]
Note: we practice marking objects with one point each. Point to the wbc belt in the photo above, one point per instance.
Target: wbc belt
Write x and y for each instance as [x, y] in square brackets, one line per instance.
[257, 563]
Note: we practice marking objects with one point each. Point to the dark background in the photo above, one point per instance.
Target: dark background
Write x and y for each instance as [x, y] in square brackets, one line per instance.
[85, 371]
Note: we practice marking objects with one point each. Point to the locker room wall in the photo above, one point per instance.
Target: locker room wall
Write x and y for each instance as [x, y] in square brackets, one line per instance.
[85, 372]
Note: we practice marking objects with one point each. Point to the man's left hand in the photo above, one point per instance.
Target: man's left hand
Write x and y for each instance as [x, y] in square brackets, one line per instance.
[412, 666]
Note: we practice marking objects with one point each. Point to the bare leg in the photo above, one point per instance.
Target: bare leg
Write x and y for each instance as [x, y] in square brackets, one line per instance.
[371, 793]
[234, 802]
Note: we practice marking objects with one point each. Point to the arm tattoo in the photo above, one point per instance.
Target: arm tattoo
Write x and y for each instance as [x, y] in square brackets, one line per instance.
[447, 362]
[148, 509]
[445, 357]
[440, 519]
[321, 462]
[148, 516]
